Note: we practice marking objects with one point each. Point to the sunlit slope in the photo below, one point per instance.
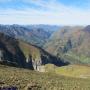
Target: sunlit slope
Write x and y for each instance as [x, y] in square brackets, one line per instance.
[28, 49]
[72, 44]
[78, 71]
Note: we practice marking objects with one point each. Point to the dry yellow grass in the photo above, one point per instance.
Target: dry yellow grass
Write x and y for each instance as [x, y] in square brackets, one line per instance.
[74, 71]
[23, 79]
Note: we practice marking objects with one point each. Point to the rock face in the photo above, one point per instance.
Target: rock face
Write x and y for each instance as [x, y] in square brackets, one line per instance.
[1, 55]
[36, 64]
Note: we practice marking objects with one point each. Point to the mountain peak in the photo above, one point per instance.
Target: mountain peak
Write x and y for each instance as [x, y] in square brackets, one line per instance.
[87, 28]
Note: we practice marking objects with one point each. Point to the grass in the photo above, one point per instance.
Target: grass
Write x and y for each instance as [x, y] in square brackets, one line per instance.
[29, 50]
[77, 71]
[22, 78]
[78, 58]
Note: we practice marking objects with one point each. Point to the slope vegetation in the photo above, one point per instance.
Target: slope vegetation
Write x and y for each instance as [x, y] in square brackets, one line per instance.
[18, 53]
[31, 80]
[71, 43]
[77, 71]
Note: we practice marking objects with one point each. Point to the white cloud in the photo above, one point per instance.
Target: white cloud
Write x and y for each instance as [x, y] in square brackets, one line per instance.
[56, 13]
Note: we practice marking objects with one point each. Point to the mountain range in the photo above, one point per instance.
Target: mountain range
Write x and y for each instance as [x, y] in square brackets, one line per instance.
[72, 43]
[34, 34]
[18, 53]
[36, 58]
[34, 46]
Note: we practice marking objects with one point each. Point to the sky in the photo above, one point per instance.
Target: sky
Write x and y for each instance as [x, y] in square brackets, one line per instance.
[53, 12]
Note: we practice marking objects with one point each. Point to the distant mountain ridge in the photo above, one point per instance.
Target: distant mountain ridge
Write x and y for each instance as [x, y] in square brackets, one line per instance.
[69, 44]
[87, 28]
[34, 34]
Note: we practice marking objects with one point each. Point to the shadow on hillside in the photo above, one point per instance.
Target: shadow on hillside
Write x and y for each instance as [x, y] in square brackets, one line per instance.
[14, 56]
[54, 60]
[11, 55]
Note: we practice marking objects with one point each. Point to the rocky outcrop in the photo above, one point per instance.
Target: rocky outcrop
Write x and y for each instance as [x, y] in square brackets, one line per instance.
[1, 55]
[34, 63]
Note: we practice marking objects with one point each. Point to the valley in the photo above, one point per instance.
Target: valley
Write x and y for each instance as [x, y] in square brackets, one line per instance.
[44, 44]
[62, 62]
[71, 43]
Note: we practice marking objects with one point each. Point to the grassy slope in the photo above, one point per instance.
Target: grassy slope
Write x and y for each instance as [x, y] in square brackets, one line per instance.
[74, 57]
[78, 71]
[43, 81]
[29, 50]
